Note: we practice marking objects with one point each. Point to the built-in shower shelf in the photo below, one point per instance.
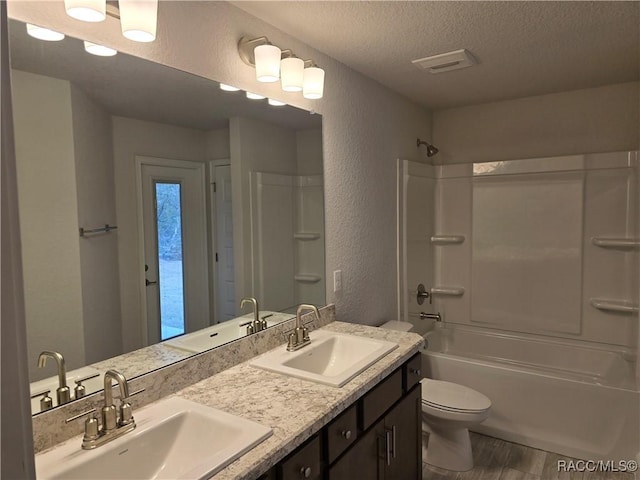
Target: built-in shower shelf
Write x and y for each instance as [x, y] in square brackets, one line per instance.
[625, 243]
[306, 236]
[449, 291]
[620, 306]
[447, 239]
[307, 278]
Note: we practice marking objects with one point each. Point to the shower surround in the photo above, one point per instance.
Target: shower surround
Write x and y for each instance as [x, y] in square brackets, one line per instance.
[528, 256]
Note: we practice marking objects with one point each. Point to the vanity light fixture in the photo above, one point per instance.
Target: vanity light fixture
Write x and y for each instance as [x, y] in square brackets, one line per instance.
[100, 50]
[255, 96]
[228, 88]
[276, 103]
[295, 74]
[42, 33]
[138, 18]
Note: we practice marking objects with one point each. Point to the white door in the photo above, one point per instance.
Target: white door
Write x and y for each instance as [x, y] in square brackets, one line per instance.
[174, 247]
[223, 231]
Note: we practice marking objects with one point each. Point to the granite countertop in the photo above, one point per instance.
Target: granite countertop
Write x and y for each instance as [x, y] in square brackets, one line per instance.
[295, 409]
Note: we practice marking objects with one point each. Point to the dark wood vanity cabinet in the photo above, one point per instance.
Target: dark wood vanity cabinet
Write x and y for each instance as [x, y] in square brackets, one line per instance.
[378, 437]
[390, 449]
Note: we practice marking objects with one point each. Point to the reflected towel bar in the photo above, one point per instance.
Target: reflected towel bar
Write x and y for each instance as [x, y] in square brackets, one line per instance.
[106, 229]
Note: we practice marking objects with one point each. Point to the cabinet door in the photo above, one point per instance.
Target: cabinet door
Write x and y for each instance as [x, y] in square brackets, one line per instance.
[403, 436]
[303, 463]
[365, 459]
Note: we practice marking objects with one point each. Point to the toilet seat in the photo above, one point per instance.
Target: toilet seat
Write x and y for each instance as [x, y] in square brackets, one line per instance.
[452, 397]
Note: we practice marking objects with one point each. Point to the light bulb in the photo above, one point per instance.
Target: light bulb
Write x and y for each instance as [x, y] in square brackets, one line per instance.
[292, 74]
[42, 33]
[254, 96]
[276, 103]
[100, 50]
[313, 86]
[86, 10]
[139, 19]
[228, 88]
[267, 63]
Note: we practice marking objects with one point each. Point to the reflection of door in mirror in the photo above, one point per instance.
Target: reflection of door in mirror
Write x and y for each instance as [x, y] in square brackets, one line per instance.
[175, 247]
[223, 233]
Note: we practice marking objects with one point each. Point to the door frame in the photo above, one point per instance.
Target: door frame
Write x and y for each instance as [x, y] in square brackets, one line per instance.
[212, 225]
[140, 161]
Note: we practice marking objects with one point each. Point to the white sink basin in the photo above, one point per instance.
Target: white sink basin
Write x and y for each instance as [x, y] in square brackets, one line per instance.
[92, 385]
[174, 439]
[331, 358]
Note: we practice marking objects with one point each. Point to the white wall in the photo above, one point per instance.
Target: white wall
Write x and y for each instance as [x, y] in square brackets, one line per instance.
[130, 138]
[366, 127]
[594, 120]
[255, 146]
[93, 149]
[217, 144]
[309, 151]
[48, 219]
[16, 439]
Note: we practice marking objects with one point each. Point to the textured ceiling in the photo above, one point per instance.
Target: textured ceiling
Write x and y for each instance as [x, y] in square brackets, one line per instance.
[523, 48]
[132, 87]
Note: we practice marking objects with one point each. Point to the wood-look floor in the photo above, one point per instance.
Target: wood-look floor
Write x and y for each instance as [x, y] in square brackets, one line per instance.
[497, 459]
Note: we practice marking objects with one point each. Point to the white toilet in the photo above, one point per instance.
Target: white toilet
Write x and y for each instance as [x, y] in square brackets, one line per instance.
[448, 410]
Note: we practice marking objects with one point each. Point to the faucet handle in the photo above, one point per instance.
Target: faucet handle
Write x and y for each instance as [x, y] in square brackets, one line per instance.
[46, 402]
[91, 427]
[126, 412]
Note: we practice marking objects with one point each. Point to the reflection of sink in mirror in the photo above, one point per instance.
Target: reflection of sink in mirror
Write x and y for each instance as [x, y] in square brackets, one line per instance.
[175, 438]
[91, 385]
[223, 332]
[331, 358]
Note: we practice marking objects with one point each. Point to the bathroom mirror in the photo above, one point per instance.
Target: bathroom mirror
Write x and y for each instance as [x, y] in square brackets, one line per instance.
[151, 202]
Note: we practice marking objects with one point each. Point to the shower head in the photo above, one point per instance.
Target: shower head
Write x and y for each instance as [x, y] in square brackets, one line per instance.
[431, 149]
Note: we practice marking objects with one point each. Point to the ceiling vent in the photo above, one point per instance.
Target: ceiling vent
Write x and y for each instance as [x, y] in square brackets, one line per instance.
[445, 62]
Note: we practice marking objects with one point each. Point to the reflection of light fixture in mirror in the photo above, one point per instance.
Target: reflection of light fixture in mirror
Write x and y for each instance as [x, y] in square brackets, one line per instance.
[100, 50]
[255, 96]
[313, 85]
[228, 88]
[261, 54]
[44, 33]
[86, 10]
[276, 103]
[267, 59]
[138, 19]
[292, 74]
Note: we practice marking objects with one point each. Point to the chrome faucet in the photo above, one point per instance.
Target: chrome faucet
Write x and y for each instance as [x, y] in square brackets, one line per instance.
[257, 324]
[115, 422]
[63, 393]
[300, 336]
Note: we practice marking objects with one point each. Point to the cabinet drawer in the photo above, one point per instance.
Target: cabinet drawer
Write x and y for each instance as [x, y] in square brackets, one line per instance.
[304, 463]
[378, 400]
[411, 372]
[341, 433]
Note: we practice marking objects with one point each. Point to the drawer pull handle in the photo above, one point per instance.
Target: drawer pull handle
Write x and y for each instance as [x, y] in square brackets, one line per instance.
[387, 442]
[305, 472]
[346, 434]
[415, 371]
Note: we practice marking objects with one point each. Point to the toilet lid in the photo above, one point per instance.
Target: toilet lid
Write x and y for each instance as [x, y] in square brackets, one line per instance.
[453, 397]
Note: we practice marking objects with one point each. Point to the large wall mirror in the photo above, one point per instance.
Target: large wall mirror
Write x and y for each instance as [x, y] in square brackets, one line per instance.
[151, 202]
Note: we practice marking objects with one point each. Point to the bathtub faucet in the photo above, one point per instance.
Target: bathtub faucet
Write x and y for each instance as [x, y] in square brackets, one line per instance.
[431, 316]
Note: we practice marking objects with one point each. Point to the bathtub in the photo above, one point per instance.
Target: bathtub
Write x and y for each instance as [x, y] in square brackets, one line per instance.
[569, 397]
